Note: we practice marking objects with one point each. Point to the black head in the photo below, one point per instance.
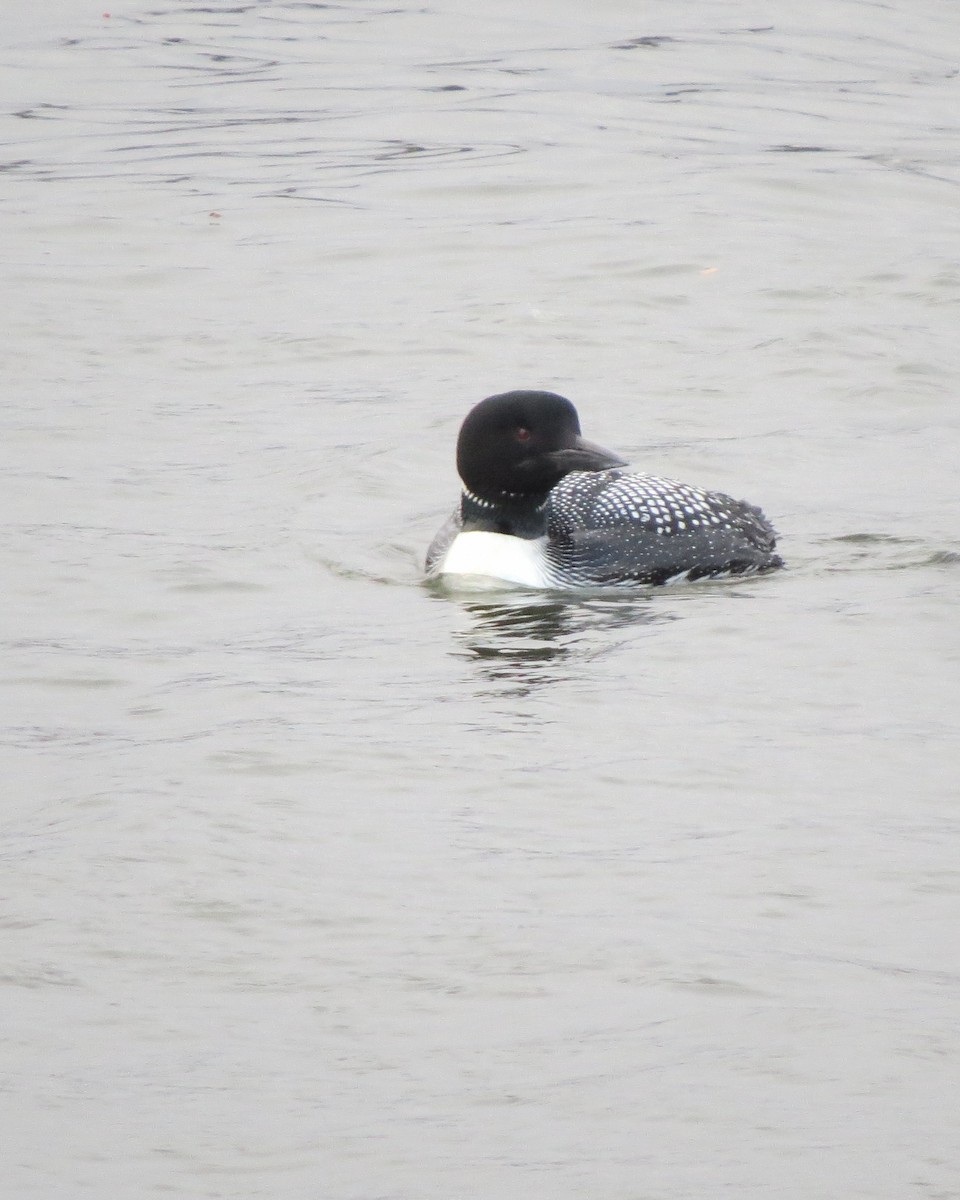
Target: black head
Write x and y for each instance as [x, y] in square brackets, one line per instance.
[522, 444]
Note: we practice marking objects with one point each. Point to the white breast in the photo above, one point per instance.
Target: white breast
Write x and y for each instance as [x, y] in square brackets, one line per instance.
[497, 556]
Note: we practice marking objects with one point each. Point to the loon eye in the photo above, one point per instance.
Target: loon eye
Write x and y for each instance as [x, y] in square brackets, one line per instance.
[523, 434]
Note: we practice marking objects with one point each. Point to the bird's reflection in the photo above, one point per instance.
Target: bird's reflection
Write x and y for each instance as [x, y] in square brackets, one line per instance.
[530, 643]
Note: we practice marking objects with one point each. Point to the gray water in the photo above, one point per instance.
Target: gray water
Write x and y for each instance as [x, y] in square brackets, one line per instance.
[321, 885]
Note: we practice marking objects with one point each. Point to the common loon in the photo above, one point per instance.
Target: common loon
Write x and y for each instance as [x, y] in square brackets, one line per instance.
[543, 508]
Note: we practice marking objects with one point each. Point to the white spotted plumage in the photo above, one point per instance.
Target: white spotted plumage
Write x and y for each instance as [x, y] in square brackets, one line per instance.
[610, 528]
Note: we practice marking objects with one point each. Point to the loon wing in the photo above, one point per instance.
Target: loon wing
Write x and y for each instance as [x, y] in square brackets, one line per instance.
[617, 527]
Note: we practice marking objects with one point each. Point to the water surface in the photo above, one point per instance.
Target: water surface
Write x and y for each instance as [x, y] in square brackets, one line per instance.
[321, 883]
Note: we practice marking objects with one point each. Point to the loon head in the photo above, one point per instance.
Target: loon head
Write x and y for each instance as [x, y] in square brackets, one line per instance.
[521, 444]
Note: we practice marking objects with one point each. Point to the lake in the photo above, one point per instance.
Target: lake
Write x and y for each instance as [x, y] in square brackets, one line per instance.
[320, 883]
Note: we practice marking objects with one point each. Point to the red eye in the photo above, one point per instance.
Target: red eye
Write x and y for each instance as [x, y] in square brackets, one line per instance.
[523, 434]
